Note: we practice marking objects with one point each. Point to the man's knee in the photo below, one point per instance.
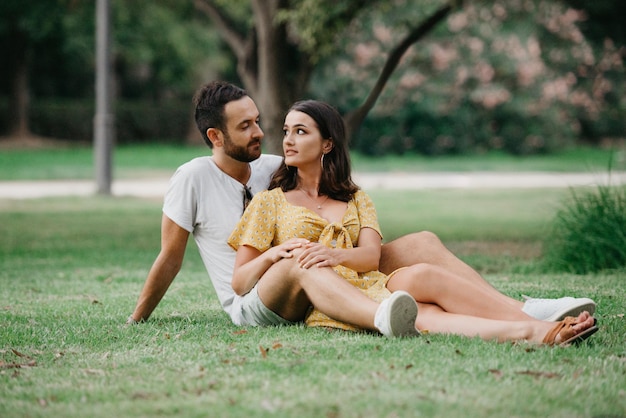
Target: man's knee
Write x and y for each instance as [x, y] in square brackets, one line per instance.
[425, 239]
[416, 240]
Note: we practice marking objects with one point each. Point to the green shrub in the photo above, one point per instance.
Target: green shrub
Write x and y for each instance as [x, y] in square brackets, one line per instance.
[589, 233]
[70, 120]
[135, 121]
[466, 128]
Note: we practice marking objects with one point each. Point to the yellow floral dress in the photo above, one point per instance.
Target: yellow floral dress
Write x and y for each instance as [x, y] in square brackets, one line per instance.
[271, 220]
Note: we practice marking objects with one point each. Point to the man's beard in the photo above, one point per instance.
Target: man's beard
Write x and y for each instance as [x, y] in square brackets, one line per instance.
[239, 153]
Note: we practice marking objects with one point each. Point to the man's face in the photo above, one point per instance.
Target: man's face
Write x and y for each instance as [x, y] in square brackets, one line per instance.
[243, 134]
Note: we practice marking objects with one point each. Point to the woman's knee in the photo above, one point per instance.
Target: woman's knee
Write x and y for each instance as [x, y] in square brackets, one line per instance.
[287, 267]
[423, 273]
[411, 277]
[422, 270]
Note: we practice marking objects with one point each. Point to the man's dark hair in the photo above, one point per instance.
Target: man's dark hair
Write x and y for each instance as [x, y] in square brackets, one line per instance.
[210, 101]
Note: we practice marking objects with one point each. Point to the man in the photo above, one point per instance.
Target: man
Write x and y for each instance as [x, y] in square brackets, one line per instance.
[207, 196]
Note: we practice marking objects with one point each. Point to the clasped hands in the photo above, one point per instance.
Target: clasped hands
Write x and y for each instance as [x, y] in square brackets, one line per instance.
[313, 254]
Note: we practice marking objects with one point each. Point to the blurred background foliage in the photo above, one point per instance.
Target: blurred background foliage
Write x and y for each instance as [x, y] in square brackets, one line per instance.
[522, 76]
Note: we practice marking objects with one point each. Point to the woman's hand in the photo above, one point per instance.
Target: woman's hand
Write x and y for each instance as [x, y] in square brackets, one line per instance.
[284, 250]
[362, 258]
[251, 264]
[318, 255]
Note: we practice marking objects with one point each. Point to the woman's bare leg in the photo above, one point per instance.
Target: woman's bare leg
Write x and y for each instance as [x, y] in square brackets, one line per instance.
[426, 247]
[435, 285]
[289, 291]
[437, 321]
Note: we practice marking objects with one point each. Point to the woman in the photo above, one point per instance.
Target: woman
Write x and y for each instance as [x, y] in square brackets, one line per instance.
[312, 197]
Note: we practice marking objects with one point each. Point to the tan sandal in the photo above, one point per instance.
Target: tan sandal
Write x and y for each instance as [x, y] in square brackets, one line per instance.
[565, 329]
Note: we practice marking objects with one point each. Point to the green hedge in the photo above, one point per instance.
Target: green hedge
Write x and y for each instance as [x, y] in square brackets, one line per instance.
[413, 129]
[468, 129]
[135, 122]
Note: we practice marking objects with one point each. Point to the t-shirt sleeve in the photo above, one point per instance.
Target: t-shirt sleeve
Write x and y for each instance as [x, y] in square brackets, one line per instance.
[180, 202]
[257, 226]
[367, 211]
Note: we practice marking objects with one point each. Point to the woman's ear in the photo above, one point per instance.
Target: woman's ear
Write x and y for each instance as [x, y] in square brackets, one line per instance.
[328, 146]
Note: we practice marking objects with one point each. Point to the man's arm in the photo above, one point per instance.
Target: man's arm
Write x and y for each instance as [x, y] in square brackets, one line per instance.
[165, 268]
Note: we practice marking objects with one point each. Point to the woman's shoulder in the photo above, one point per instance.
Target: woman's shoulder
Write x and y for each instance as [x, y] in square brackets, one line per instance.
[360, 195]
[275, 195]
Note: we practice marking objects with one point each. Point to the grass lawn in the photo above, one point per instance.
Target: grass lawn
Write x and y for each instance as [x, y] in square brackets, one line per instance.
[72, 270]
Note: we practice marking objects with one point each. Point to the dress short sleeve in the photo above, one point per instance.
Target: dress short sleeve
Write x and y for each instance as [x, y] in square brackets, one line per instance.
[368, 217]
[257, 226]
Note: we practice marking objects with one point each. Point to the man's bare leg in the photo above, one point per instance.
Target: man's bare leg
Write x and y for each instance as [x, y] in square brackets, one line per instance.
[426, 247]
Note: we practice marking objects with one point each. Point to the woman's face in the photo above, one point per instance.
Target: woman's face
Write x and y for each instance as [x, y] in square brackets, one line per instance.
[303, 144]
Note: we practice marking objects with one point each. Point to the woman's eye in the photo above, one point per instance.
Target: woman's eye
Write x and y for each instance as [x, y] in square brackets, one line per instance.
[300, 132]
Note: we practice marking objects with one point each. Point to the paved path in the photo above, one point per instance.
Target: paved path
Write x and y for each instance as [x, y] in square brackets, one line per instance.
[155, 188]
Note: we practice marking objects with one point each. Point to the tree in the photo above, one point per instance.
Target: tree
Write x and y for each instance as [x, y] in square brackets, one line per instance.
[502, 74]
[26, 26]
[277, 44]
[161, 50]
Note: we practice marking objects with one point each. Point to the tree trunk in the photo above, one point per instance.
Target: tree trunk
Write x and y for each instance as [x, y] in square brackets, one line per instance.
[19, 100]
[267, 95]
[283, 73]
[271, 69]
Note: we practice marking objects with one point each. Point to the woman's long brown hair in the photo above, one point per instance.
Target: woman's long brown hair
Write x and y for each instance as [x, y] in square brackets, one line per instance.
[336, 181]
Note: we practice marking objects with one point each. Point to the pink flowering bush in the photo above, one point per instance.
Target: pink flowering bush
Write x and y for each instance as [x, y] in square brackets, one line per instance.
[513, 75]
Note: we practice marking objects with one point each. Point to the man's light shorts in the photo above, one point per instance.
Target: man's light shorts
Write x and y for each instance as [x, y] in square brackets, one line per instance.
[254, 312]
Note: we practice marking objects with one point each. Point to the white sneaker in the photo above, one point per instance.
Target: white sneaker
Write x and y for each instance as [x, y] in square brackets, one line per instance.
[396, 315]
[557, 309]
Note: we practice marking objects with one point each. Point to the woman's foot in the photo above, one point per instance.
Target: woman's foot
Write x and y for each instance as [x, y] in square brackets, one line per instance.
[570, 330]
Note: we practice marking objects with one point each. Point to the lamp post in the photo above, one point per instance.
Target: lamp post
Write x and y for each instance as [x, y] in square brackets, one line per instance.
[104, 119]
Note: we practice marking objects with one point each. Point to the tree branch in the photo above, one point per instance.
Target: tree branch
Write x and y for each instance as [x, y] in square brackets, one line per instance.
[225, 25]
[355, 118]
[244, 47]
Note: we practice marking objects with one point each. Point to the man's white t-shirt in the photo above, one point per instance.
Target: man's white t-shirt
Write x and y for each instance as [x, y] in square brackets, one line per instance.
[208, 203]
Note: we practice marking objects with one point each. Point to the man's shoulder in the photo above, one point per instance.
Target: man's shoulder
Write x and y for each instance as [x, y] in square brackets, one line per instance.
[198, 163]
[268, 160]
